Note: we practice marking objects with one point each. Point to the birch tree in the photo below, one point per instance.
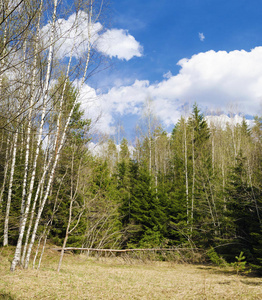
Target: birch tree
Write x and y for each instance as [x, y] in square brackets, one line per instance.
[44, 106]
[9, 197]
[76, 208]
[55, 37]
[64, 131]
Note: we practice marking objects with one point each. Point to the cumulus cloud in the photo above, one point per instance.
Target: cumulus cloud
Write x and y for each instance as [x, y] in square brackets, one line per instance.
[215, 80]
[119, 43]
[72, 36]
[218, 78]
[122, 100]
[96, 109]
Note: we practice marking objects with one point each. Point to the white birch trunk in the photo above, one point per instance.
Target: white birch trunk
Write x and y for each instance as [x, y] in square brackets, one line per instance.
[8, 148]
[39, 190]
[156, 166]
[234, 141]
[37, 249]
[72, 200]
[66, 236]
[29, 126]
[43, 249]
[47, 165]
[2, 61]
[252, 190]
[150, 143]
[209, 205]
[56, 158]
[186, 172]
[40, 210]
[193, 181]
[45, 93]
[224, 184]
[9, 196]
[213, 153]
[48, 226]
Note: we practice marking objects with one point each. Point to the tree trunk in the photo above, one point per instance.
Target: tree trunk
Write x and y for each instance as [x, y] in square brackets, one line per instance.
[9, 197]
[45, 93]
[8, 149]
[193, 181]
[186, 172]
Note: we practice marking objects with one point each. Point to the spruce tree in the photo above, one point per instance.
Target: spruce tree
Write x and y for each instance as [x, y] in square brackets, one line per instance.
[243, 218]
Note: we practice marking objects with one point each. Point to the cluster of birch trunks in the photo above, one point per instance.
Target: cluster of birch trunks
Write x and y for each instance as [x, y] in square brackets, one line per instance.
[34, 52]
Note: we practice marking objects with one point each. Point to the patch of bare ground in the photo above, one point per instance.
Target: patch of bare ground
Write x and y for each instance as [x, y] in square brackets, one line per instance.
[115, 278]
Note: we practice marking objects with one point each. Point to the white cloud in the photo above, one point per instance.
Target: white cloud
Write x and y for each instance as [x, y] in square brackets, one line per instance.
[97, 109]
[72, 35]
[223, 120]
[119, 100]
[225, 81]
[215, 79]
[119, 43]
[201, 36]
[167, 75]
[101, 149]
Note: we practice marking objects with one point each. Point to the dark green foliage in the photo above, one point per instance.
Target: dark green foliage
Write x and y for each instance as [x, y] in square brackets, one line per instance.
[215, 258]
[201, 187]
[244, 211]
[141, 213]
[199, 126]
[240, 263]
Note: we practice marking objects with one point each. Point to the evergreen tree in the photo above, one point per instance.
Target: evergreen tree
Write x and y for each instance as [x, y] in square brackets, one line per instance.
[67, 194]
[142, 214]
[111, 156]
[124, 154]
[243, 215]
[204, 225]
[177, 182]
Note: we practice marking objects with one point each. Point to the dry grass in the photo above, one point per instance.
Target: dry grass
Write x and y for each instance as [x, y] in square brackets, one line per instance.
[86, 278]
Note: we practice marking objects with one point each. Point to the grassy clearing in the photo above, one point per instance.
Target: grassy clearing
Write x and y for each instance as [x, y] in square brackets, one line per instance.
[114, 278]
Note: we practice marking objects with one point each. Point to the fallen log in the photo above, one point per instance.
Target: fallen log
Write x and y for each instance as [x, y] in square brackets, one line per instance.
[123, 250]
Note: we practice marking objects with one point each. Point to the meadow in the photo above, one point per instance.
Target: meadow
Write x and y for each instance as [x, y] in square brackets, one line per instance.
[83, 277]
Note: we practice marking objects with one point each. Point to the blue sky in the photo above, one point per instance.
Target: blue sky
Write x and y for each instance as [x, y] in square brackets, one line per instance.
[169, 31]
[177, 52]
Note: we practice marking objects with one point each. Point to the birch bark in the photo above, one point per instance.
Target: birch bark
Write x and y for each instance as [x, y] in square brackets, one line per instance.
[8, 149]
[29, 126]
[50, 180]
[45, 93]
[73, 194]
[9, 196]
[186, 171]
[193, 181]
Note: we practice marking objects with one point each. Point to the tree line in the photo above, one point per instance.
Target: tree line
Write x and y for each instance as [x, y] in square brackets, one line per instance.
[199, 187]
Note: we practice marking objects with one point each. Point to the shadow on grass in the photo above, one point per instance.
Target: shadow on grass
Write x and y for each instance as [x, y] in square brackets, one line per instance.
[224, 282]
[231, 271]
[221, 270]
[253, 283]
[6, 296]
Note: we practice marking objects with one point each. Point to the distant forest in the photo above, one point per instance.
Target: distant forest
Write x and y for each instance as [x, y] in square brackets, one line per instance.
[199, 187]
